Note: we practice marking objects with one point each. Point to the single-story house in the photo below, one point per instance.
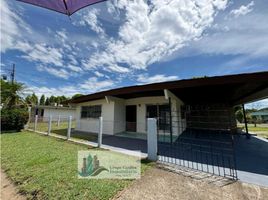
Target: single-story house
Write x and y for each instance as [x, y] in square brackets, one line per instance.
[261, 114]
[56, 112]
[199, 103]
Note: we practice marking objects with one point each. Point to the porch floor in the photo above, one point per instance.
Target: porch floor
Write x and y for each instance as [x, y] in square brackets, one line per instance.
[163, 137]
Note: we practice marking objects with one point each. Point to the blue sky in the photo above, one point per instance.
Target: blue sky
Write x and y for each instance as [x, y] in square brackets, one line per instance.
[119, 43]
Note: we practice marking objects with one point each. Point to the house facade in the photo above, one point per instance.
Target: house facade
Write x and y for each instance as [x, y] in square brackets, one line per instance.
[261, 115]
[56, 112]
[130, 115]
[197, 104]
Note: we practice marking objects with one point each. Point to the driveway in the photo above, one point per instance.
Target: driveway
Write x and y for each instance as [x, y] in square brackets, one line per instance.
[163, 185]
[251, 155]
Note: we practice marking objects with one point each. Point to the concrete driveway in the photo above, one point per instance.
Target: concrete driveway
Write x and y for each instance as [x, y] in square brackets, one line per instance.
[251, 155]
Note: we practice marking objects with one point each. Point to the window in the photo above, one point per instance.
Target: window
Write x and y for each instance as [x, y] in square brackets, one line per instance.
[90, 111]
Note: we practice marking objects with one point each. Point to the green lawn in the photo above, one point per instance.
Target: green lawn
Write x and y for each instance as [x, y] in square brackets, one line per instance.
[260, 129]
[62, 130]
[46, 168]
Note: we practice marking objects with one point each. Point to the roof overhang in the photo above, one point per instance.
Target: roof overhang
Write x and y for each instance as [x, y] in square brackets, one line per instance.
[231, 89]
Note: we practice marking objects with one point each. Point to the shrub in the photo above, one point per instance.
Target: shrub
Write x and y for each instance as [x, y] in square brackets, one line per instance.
[13, 119]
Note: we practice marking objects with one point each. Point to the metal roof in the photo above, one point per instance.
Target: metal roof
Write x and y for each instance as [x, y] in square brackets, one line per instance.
[232, 89]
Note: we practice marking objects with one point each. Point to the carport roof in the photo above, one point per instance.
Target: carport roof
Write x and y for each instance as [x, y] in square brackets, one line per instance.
[232, 89]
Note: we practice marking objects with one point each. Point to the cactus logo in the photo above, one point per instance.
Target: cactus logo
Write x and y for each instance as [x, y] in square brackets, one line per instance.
[91, 166]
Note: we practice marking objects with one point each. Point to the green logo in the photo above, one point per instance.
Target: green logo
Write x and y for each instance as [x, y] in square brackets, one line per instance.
[91, 166]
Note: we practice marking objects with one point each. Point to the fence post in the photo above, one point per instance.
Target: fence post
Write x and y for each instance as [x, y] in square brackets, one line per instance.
[49, 125]
[152, 139]
[100, 131]
[35, 122]
[69, 128]
[58, 122]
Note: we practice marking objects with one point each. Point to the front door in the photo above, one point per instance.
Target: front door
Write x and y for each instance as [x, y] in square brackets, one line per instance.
[131, 118]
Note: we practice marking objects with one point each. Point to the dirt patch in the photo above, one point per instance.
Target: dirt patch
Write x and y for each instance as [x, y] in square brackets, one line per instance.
[161, 184]
[8, 189]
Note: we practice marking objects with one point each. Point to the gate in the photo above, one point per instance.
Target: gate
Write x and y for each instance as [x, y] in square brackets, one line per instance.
[199, 148]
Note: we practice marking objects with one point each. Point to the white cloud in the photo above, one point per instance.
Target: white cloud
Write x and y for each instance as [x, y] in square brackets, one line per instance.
[11, 26]
[242, 10]
[258, 104]
[151, 31]
[61, 73]
[41, 53]
[95, 85]
[91, 85]
[98, 74]
[243, 37]
[156, 78]
[90, 18]
[74, 68]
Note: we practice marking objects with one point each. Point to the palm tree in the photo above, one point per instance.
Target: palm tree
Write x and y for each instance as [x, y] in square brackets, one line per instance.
[11, 93]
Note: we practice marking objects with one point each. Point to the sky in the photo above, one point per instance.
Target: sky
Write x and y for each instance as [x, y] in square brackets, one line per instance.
[129, 42]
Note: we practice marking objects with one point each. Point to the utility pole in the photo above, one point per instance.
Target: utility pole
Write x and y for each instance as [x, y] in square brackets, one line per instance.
[13, 74]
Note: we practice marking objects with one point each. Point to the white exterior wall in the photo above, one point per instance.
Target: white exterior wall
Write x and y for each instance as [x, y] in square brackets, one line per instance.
[56, 112]
[119, 116]
[178, 124]
[141, 109]
[92, 124]
[114, 115]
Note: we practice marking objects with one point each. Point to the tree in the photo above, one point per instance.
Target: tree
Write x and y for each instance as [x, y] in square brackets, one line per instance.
[76, 96]
[42, 100]
[11, 93]
[47, 102]
[239, 115]
[32, 99]
[52, 100]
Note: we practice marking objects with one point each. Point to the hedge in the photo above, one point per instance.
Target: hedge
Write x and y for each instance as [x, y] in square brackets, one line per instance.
[13, 119]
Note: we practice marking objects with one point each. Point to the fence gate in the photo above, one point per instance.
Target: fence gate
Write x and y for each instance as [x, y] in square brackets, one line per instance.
[200, 148]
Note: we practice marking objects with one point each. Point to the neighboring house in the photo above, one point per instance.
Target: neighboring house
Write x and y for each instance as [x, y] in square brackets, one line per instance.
[55, 112]
[261, 114]
[200, 103]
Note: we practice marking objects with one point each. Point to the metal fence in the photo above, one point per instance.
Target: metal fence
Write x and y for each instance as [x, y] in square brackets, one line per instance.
[199, 141]
[202, 151]
[60, 125]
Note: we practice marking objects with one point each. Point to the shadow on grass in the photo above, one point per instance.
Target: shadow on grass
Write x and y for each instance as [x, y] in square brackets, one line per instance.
[10, 132]
[78, 135]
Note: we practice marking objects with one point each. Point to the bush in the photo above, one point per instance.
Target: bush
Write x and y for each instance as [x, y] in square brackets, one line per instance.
[13, 119]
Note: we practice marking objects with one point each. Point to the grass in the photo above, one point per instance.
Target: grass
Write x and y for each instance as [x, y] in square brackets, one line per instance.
[62, 130]
[260, 129]
[46, 168]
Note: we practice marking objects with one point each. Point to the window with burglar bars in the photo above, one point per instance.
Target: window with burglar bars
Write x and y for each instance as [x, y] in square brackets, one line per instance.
[91, 111]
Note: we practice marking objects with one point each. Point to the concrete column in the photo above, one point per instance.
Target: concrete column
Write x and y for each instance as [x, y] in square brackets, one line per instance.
[100, 131]
[49, 125]
[152, 139]
[35, 122]
[69, 128]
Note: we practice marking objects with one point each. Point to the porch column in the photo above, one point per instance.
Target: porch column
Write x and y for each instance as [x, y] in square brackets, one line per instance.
[245, 121]
[152, 139]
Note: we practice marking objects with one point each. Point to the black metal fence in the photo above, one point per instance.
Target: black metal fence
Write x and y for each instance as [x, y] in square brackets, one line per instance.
[194, 143]
[204, 152]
